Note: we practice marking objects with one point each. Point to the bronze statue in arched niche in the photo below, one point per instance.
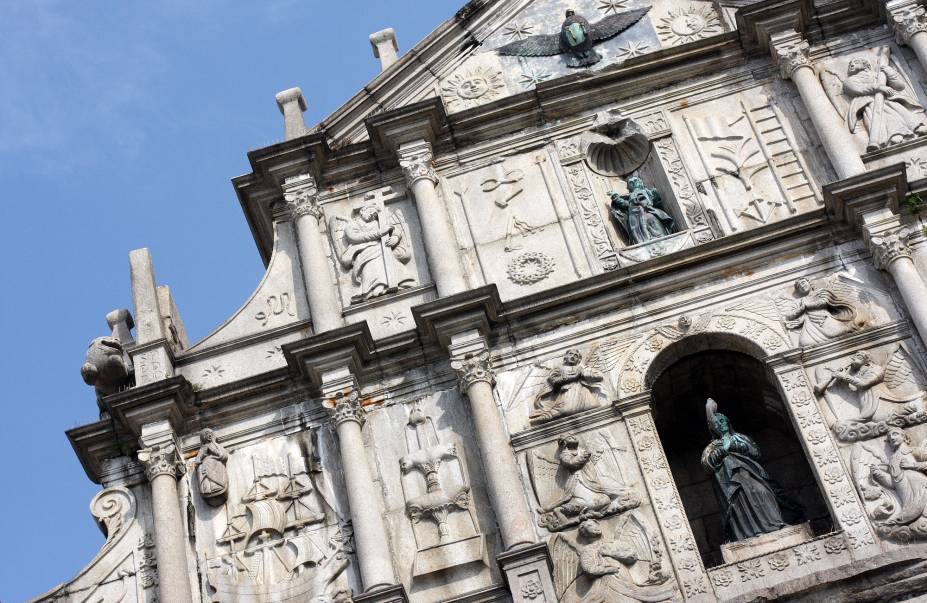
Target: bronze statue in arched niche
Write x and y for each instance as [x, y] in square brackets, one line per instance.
[752, 501]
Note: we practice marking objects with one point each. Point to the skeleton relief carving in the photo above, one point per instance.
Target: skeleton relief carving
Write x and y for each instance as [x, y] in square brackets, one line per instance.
[614, 553]
[867, 396]
[374, 245]
[869, 92]
[437, 499]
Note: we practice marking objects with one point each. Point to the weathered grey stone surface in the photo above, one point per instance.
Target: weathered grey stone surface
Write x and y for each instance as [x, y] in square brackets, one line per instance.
[461, 380]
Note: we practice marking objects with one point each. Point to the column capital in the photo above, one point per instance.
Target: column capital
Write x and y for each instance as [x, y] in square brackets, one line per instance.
[161, 459]
[888, 247]
[473, 367]
[417, 162]
[790, 52]
[908, 22]
[301, 194]
[344, 407]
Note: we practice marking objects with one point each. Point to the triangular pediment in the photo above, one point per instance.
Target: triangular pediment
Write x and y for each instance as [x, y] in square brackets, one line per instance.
[461, 61]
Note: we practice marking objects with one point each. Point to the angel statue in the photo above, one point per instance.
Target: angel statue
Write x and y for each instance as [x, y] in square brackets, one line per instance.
[893, 483]
[594, 567]
[823, 312]
[863, 385]
[377, 254]
[579, 484]
[571, 387]
[881, 97]
[210, 472]
[751, 500]
[639, 213]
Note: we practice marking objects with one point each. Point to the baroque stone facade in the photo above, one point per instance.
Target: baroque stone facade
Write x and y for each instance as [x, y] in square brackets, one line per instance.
[499, 292]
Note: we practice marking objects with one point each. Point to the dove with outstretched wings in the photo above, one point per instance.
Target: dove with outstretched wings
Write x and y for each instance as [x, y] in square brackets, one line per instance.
[577, 38]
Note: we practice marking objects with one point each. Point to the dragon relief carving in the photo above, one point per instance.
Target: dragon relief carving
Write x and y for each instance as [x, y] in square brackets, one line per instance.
[603, 549]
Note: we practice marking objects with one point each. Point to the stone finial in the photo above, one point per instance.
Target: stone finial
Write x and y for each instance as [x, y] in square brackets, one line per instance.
[385, 47]
[292, 105]
[121, 324]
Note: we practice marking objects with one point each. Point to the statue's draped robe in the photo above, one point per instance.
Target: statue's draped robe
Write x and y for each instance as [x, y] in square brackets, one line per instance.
[822, 315]
[607, 564]
[750, 497]
[213, 477]
[569, 390]
[901, 114]
[368, 267]
[639, 217]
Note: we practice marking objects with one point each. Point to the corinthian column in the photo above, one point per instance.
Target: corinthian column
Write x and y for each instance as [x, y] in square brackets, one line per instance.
[440, 244]
[790, 52]
[301, 194]
[470, 359]
[910, 24]
[371, 543]
[891, 252]
[163, 466]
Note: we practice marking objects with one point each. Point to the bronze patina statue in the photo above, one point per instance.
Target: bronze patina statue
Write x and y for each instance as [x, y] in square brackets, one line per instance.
[639, 213]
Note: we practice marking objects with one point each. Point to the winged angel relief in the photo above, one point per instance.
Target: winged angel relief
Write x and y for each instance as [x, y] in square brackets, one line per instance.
[860, 387]
[577, 38]
[879, 96]
[604, 560]
[824, 309]
[376, 251]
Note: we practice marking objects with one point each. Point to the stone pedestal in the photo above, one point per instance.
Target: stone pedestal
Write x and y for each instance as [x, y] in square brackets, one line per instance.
[528, 572]
[766, 543]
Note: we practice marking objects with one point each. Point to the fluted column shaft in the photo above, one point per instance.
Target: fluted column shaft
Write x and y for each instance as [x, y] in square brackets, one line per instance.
[891, 253]
[503, 480]
[794, 64]
[301, 194]
[440, 244]
[163, 466]
[370, 539]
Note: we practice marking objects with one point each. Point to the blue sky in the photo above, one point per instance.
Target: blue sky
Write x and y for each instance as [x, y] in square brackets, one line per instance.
[121, 124]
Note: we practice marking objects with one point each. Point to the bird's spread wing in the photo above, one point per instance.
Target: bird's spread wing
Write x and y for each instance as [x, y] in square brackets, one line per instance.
[566, 563]
[900, 376]
[613, 25]
[544, 45]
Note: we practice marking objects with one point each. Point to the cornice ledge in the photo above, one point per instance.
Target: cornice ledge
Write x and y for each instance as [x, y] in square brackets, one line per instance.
[94, 443]
[350, 346]
[848, 200]
[424, 120]
[170, 399]
[757, 22]
[476, 309]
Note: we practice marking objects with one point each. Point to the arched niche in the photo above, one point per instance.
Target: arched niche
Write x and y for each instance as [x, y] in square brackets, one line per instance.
[729, 368]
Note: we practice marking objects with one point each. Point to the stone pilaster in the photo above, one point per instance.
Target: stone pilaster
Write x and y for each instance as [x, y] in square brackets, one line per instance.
[341, 399]
[163, 465]
[791, 54]
[416, 160]
[151, 357]
[301, 194]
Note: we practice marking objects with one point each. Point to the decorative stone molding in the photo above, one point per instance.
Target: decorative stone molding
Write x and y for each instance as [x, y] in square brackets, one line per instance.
[302, 196]
[792, 57]
[343, 408]
[417, 163]
[473, 368]
[888, 248]
[113, 509]
[909, 23]
[163, 459]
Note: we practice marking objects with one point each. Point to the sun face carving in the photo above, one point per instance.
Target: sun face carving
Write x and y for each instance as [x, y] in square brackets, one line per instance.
[472, 87]
[684, 25]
